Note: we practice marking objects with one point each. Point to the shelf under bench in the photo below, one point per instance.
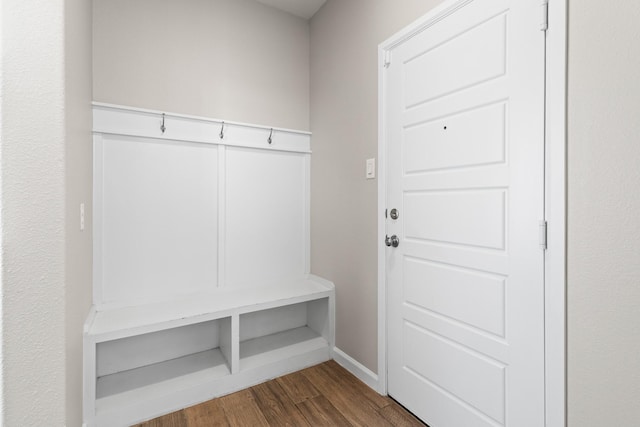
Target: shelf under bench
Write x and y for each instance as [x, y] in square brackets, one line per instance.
[117, 390]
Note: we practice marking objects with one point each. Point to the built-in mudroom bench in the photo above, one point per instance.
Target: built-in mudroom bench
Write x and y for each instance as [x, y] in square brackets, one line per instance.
[201, 281]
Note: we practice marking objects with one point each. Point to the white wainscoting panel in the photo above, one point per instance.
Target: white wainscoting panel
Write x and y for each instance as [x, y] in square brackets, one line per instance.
[201, 205]
[266, 198]
[158, 207]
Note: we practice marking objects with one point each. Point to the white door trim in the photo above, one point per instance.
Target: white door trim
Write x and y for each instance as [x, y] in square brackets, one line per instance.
[555, 202]
[555, 207]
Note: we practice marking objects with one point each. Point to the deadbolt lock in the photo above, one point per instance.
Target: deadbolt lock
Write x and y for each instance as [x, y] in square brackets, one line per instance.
[394, 214]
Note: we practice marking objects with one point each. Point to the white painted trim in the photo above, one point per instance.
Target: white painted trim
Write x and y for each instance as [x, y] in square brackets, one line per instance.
[555, 202]
[104, 105]
[89, 320]
[98, 179]
[307, 213]
[356, 368]
[382, 205]
[555, 205]
[222, 215]
[436, 14]
[136, 122]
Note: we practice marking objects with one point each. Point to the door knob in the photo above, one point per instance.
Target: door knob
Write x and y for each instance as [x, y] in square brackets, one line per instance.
[392, 241]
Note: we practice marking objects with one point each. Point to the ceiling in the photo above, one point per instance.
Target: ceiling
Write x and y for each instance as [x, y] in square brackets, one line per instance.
[302, 8]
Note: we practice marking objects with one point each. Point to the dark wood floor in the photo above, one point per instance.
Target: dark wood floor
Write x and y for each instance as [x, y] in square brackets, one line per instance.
[323, 395]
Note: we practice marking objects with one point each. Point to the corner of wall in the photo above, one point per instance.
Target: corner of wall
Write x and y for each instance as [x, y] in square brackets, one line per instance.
[78, 190]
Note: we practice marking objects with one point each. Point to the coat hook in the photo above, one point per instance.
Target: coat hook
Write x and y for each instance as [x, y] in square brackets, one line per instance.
[162, 126]
[222, 131]
[270, 135]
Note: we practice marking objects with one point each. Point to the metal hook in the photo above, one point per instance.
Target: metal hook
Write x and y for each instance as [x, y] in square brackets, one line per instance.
[270, 135]
[162, 126]
[222, 131]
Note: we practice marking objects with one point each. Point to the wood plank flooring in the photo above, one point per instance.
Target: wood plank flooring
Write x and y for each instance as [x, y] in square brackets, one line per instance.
[323, 395]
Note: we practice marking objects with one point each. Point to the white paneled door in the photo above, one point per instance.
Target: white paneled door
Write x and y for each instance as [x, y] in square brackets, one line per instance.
[464, 128]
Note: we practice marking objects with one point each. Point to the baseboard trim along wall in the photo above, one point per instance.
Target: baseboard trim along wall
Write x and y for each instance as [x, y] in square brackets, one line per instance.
[356, 368]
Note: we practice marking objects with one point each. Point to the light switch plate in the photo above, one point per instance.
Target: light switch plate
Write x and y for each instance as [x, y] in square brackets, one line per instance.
[371, 169]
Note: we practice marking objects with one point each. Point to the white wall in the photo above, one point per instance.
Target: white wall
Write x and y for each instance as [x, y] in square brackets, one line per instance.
[45, 122]
[32, 157]
[604, 214]
[230, 59]
[344, 121]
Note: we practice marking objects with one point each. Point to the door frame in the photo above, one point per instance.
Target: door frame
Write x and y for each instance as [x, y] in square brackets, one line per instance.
[555, 200]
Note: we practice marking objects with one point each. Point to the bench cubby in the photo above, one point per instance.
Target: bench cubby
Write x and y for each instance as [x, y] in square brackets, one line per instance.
[278, 333]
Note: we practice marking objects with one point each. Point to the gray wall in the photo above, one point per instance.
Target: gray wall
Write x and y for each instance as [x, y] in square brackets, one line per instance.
[45, 98]
[78, 189]
[230, 59]
[604, 213]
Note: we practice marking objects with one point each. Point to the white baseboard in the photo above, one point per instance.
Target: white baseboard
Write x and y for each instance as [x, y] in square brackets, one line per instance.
[356, 368]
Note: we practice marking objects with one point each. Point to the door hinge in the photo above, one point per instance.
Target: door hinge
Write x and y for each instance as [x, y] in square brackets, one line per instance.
[544, 23]
[543, 235]
[387, 59]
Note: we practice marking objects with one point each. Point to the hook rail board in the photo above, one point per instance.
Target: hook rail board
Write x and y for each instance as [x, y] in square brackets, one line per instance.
[201, 281]
[130, 121]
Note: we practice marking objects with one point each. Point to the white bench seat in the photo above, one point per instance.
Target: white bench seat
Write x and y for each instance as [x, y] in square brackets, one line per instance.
[135, 320]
